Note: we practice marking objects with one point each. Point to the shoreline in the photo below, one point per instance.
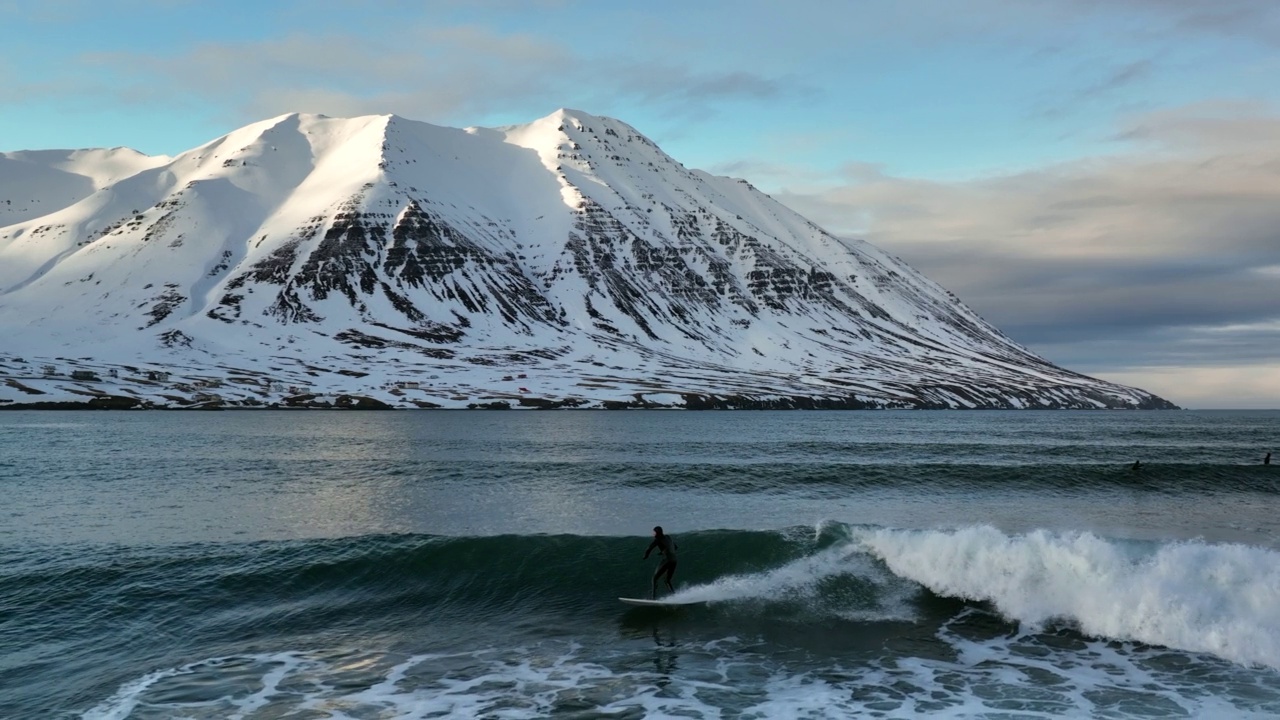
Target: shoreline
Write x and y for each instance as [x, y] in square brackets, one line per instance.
[691, 403]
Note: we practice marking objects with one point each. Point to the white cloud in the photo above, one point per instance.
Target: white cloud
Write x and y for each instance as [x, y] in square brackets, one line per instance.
[439, 73]
[1228, 387]
[1162, 254]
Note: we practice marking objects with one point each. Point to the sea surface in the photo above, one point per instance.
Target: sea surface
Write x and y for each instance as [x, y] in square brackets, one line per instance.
[455, 564]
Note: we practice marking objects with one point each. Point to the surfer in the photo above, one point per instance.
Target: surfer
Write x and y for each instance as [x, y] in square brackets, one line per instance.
[1267, 460]
[1137, 465]
[667, 546]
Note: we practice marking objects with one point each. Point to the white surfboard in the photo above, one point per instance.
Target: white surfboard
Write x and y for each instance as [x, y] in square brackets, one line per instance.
[658, 603]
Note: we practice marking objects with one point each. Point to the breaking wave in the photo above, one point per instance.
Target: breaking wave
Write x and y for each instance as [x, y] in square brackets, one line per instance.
[1194, 596]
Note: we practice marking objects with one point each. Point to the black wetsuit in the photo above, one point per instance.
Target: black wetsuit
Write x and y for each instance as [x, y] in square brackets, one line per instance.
[666, 545]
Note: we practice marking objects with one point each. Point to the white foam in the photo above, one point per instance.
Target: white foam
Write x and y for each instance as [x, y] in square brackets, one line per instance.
[1219, 599]
[122, 703]
[130, 695]
[999, 677]
[801, 580]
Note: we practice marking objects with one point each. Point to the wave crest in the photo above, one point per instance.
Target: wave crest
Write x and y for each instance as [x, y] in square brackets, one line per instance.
[1218, 599]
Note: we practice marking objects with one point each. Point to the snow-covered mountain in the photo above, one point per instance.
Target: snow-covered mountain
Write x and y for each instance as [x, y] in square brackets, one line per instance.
[566, 262]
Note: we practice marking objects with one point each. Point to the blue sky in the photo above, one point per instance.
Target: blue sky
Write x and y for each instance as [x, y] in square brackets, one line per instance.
[1096, 177]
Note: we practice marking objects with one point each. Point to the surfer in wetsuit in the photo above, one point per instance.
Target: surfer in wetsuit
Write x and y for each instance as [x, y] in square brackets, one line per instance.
[667, 546]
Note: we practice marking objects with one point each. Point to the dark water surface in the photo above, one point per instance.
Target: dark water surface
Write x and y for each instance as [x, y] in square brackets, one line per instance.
[467, 564]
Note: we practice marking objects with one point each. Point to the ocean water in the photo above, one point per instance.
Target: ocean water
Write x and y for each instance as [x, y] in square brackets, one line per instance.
[451, 564]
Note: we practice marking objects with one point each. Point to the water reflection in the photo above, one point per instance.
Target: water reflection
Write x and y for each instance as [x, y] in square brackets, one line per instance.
[657, 625]
[665, 658]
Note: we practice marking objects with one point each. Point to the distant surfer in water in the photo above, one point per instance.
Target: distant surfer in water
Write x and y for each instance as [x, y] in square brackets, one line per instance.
[1137, 465]
[1267, 460]
[667, 546]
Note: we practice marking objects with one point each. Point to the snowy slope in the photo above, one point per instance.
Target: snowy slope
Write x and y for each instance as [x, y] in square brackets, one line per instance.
[568, 261]
[36, 183]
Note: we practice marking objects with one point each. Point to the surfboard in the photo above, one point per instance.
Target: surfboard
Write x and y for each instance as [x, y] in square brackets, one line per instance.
[658, 603]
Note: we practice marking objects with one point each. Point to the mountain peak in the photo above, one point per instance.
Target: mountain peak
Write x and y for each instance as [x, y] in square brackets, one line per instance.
[574, 116]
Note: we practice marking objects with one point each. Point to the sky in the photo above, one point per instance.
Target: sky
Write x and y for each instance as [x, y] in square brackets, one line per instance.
[1100, 179]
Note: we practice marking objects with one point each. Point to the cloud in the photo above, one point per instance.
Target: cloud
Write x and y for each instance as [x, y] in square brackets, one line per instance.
[1253, 386]
[1163, 253]
[1169, 19]
[1230, 18]
[1115, 84]
[655, 82]
[449, 74]
[428, 73]
[1206, 129]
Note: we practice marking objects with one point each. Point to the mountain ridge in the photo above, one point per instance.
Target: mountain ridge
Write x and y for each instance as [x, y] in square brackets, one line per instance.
[396, 250]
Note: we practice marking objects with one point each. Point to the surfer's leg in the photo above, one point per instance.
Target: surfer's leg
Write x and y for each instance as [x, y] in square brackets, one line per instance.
[670, 567]
[653, 594]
